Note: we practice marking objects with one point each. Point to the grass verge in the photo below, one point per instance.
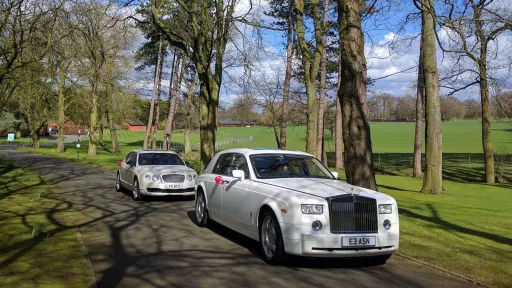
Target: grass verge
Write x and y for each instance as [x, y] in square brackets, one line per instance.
[38, 244]
[466, 231]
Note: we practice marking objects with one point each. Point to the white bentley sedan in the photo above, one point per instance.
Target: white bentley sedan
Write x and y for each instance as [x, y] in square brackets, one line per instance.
[292, 204]
[155, 173]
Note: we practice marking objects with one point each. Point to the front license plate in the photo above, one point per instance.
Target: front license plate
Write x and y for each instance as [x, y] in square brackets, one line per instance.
[175, 186]
[358, 241]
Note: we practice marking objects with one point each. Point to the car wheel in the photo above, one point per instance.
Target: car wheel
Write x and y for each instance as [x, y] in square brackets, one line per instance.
[136, 190]
[119, 188]
[201, 210]
[271, 239]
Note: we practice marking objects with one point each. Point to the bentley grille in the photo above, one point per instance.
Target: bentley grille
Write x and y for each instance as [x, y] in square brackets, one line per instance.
[173, 178]
[353, 214]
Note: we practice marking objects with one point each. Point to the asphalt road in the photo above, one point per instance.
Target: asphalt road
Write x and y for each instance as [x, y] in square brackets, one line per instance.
[155, 243]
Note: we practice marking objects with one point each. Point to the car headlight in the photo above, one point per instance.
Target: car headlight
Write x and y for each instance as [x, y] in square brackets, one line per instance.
[155, 178]
[312, 208]
[189, 177]
[385, 209]
[147, 177]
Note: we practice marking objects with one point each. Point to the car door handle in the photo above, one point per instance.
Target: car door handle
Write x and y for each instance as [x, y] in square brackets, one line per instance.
[225, 182]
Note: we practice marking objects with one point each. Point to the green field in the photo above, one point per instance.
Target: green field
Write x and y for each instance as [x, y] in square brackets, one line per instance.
[36, 248]
[466, 231]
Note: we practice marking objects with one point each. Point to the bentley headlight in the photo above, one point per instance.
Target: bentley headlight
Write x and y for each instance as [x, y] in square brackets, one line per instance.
[189, 177]
[312, 208]
[147, 177]
[155, 178]
[385, 209]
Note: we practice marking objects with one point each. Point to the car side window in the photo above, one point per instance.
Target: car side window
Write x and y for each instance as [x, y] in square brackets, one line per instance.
[128, 157]
[240, 163]
[133, 158]
[223, 166]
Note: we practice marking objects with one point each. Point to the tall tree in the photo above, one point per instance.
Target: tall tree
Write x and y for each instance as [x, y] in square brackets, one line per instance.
[27, 29]
[283, 12]
[338, 129]
[433, 179]
[418, 128]
[100, 37]
[473, 26]
[323, 81]
[352, 94]
[174, 93]
[310, 56]
[158, 93]
[157, 76]
[191, 81]
[204, 41]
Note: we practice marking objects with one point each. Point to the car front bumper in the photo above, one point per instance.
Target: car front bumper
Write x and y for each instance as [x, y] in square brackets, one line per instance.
[301, 240]
[164, 189]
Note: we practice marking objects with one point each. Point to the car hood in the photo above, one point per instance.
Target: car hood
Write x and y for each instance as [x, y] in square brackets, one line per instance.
[166, 169]
[323, 187]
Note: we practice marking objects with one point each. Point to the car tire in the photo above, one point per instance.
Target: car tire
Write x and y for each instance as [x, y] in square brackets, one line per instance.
[271, 239]
[119, 187]
[202, 217]
[136, 190]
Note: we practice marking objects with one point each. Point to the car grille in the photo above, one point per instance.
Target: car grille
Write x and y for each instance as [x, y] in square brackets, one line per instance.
[173, 178]
[170, 191]
[353, 214]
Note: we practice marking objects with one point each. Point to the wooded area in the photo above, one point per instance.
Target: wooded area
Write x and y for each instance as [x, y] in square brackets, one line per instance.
[74, 60]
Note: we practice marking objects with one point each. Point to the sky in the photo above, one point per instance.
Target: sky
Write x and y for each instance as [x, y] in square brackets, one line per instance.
[391, 50]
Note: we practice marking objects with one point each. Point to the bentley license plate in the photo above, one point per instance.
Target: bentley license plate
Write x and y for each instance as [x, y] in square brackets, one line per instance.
[175, 186]
[358, 241]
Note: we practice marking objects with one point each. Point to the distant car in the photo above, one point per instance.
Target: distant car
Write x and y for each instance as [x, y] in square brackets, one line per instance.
[155, 173]
[292, 204]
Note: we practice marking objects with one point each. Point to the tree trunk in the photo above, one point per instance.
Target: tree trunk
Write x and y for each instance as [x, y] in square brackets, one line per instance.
[433, 179]
[100, 134]
[287, 80]
[91, 153]
[276, 135]
[484, 96]
[208, 118]
[190, 92]
[35, 138]
[174, 93]
[486, 123]
[113, 134]
[159, 92]
[352, 94]
[324, 154]
[155, 86]
[339, 136]
[418, 130]
[62, 115]
[323, 79]
[311, 64]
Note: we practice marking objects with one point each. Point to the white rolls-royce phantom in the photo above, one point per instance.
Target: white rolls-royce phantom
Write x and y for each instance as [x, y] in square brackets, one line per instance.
[292, 204]
[155, 173]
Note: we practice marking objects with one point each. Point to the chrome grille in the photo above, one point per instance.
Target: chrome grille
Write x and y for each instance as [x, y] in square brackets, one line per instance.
[173, 178]
[353, 214]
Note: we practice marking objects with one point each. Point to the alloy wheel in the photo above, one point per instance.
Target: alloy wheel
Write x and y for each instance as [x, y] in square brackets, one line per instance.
[268, 233]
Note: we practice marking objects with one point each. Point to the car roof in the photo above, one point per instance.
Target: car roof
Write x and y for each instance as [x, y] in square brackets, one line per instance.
[140, 151]
[255, 151]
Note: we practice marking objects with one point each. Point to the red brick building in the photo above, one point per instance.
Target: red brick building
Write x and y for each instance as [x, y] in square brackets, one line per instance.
[70, 127]
[134, 125]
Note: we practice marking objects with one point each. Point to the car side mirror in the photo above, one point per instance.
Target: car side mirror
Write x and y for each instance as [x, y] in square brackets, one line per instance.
[335, 174]
[240, 174]
[187, 163]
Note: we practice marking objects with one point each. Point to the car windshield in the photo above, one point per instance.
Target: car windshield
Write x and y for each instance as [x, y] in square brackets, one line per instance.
[146, 159]
[270, 166]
